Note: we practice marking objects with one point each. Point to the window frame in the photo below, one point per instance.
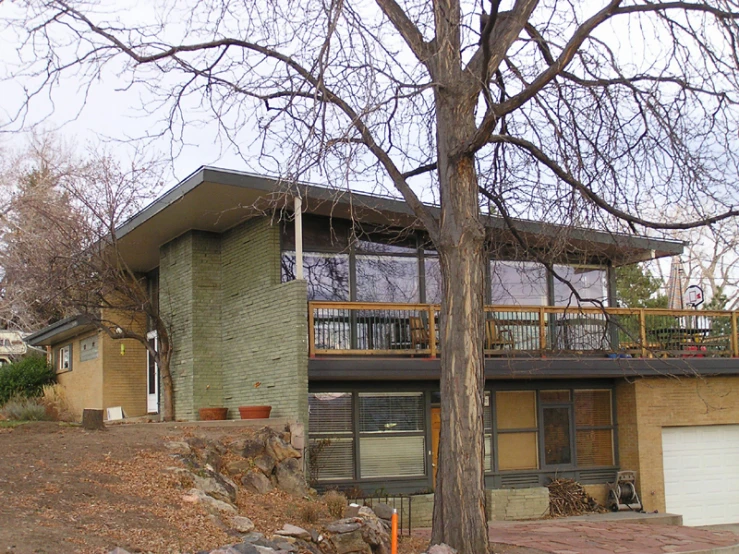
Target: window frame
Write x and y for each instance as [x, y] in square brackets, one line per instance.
[574, 468]
[58, 358]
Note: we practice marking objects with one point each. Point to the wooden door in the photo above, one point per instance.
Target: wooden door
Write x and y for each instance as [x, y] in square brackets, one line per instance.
[435, 430]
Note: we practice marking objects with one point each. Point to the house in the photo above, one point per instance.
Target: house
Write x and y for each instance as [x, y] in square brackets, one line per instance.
[572, 389]
[12, 346]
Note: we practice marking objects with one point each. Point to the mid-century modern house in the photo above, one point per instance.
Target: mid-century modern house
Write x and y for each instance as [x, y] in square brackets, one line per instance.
[576, 388]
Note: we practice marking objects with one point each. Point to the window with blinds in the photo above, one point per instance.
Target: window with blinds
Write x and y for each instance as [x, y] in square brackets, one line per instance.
[331, 445]
[594, 428]
[515, 412]
[392, 439]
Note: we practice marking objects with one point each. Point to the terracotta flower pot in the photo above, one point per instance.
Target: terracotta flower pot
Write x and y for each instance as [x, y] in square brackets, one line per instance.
[212, 414]
[254, 412]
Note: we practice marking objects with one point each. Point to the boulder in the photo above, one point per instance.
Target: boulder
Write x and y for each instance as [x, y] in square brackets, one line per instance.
[265, 463]
[383, 511]
[352, 510]
[216, 485]
[244, 548]
[375, 534]
[293, 531]
[238, 467]
[350, 542]
[116, 550]
[441, 549]
[290, 478]
[256, 482]
[251, 447]
[252, 537]
[178, 447]
[196, 442]
[242, 524]
[343, 526]
[197, 495]
[279, 449]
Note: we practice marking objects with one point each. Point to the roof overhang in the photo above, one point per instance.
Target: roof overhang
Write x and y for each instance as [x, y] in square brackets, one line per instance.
[215, 200]
[60, 331]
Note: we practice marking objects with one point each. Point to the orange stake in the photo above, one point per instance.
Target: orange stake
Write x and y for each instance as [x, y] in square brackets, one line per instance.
[394, 532]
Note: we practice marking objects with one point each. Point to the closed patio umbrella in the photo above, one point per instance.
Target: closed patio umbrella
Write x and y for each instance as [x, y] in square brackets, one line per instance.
[676, 285]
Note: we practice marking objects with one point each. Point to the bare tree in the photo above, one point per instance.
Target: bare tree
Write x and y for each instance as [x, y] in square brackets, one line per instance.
[59, 251]
[605, 114]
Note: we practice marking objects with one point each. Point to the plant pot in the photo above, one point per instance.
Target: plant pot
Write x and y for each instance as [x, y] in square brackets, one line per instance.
[213, 414]
[254, 412]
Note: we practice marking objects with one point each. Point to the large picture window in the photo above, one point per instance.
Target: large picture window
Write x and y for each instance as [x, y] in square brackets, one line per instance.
[367, 435]
[553, 429]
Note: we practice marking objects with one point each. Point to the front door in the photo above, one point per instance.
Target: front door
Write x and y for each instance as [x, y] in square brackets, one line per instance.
[435, 431]
[152, 376]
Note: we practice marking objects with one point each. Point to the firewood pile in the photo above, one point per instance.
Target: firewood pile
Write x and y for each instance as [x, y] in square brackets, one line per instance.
[568, 498]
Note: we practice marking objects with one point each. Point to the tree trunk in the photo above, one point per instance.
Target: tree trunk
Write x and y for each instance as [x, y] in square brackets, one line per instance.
[165, 374]
[459, 508]
[92, 420]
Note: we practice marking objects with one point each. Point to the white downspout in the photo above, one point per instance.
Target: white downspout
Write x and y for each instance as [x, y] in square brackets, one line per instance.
[298, 238]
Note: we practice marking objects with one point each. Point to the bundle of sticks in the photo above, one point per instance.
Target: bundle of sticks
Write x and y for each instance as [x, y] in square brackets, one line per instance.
[568, 498]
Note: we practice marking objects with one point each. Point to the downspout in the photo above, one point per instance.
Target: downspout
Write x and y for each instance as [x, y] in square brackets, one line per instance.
[298, 209]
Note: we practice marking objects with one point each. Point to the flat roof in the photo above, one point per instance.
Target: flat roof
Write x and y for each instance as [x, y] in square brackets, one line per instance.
[216, 200]
[62, 330]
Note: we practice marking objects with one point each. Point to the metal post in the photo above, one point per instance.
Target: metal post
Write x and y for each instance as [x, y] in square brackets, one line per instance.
[298, 238]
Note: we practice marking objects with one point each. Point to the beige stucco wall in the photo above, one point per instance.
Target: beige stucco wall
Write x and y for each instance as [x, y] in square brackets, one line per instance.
[83, 384]
[647, 405]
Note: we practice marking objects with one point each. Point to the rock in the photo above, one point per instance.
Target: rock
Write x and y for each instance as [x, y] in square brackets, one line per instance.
[290, 478]
[365, 511]
[293, 531]
[196, 495]
[374, 534]
[239, 467]
[441, 549]
[256, 482]
[217, 486]
[252, 537]
[178, 447]
[242, 524]
[297, 436]
[265, 463]
[383, 511]
[213, 458]
[251, 447]
[117, 550]
[279, 449]
[196, 442]
[343, 526]
[352, 510]
[265, 550]
[350, 542]
[245, 548]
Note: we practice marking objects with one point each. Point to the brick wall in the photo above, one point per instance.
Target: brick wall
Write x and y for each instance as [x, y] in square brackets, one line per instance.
[83, 385]
[264, 325]
[176, 304]
[124, 377]
[239, 335]
[669, 402]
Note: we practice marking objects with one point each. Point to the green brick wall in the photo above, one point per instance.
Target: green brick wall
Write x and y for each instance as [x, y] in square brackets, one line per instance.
[264, 325]
[175, 302]
[240, 336]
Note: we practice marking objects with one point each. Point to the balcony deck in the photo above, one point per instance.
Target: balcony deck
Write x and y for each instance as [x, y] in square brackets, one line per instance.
[341, 329]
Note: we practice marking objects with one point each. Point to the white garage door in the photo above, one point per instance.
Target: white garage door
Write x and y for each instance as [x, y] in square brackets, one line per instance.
[701, 467]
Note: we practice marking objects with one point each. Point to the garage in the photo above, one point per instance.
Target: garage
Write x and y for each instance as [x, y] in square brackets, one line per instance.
[701, 469]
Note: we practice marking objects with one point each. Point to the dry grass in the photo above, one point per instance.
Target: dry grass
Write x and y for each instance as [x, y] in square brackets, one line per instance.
[54, 399]
[336, 503]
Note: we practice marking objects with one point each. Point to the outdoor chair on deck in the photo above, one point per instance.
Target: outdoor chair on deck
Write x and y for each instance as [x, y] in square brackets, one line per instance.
[420, 336]
[497, 339]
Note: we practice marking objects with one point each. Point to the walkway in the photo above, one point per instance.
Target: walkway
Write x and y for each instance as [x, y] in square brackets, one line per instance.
[612, 536]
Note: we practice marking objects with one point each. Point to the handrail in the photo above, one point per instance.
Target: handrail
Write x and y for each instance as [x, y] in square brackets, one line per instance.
[381, 328]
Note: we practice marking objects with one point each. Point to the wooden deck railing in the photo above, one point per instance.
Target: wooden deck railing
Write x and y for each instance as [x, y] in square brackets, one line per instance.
[388, 329]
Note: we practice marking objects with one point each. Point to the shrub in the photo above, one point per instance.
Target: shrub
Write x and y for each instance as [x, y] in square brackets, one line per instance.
[336, 503]
[310, 513]
[25, 378]
[25, 409]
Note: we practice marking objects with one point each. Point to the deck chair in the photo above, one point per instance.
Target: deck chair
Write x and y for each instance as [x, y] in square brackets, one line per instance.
[497, 339]
[419, 333]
